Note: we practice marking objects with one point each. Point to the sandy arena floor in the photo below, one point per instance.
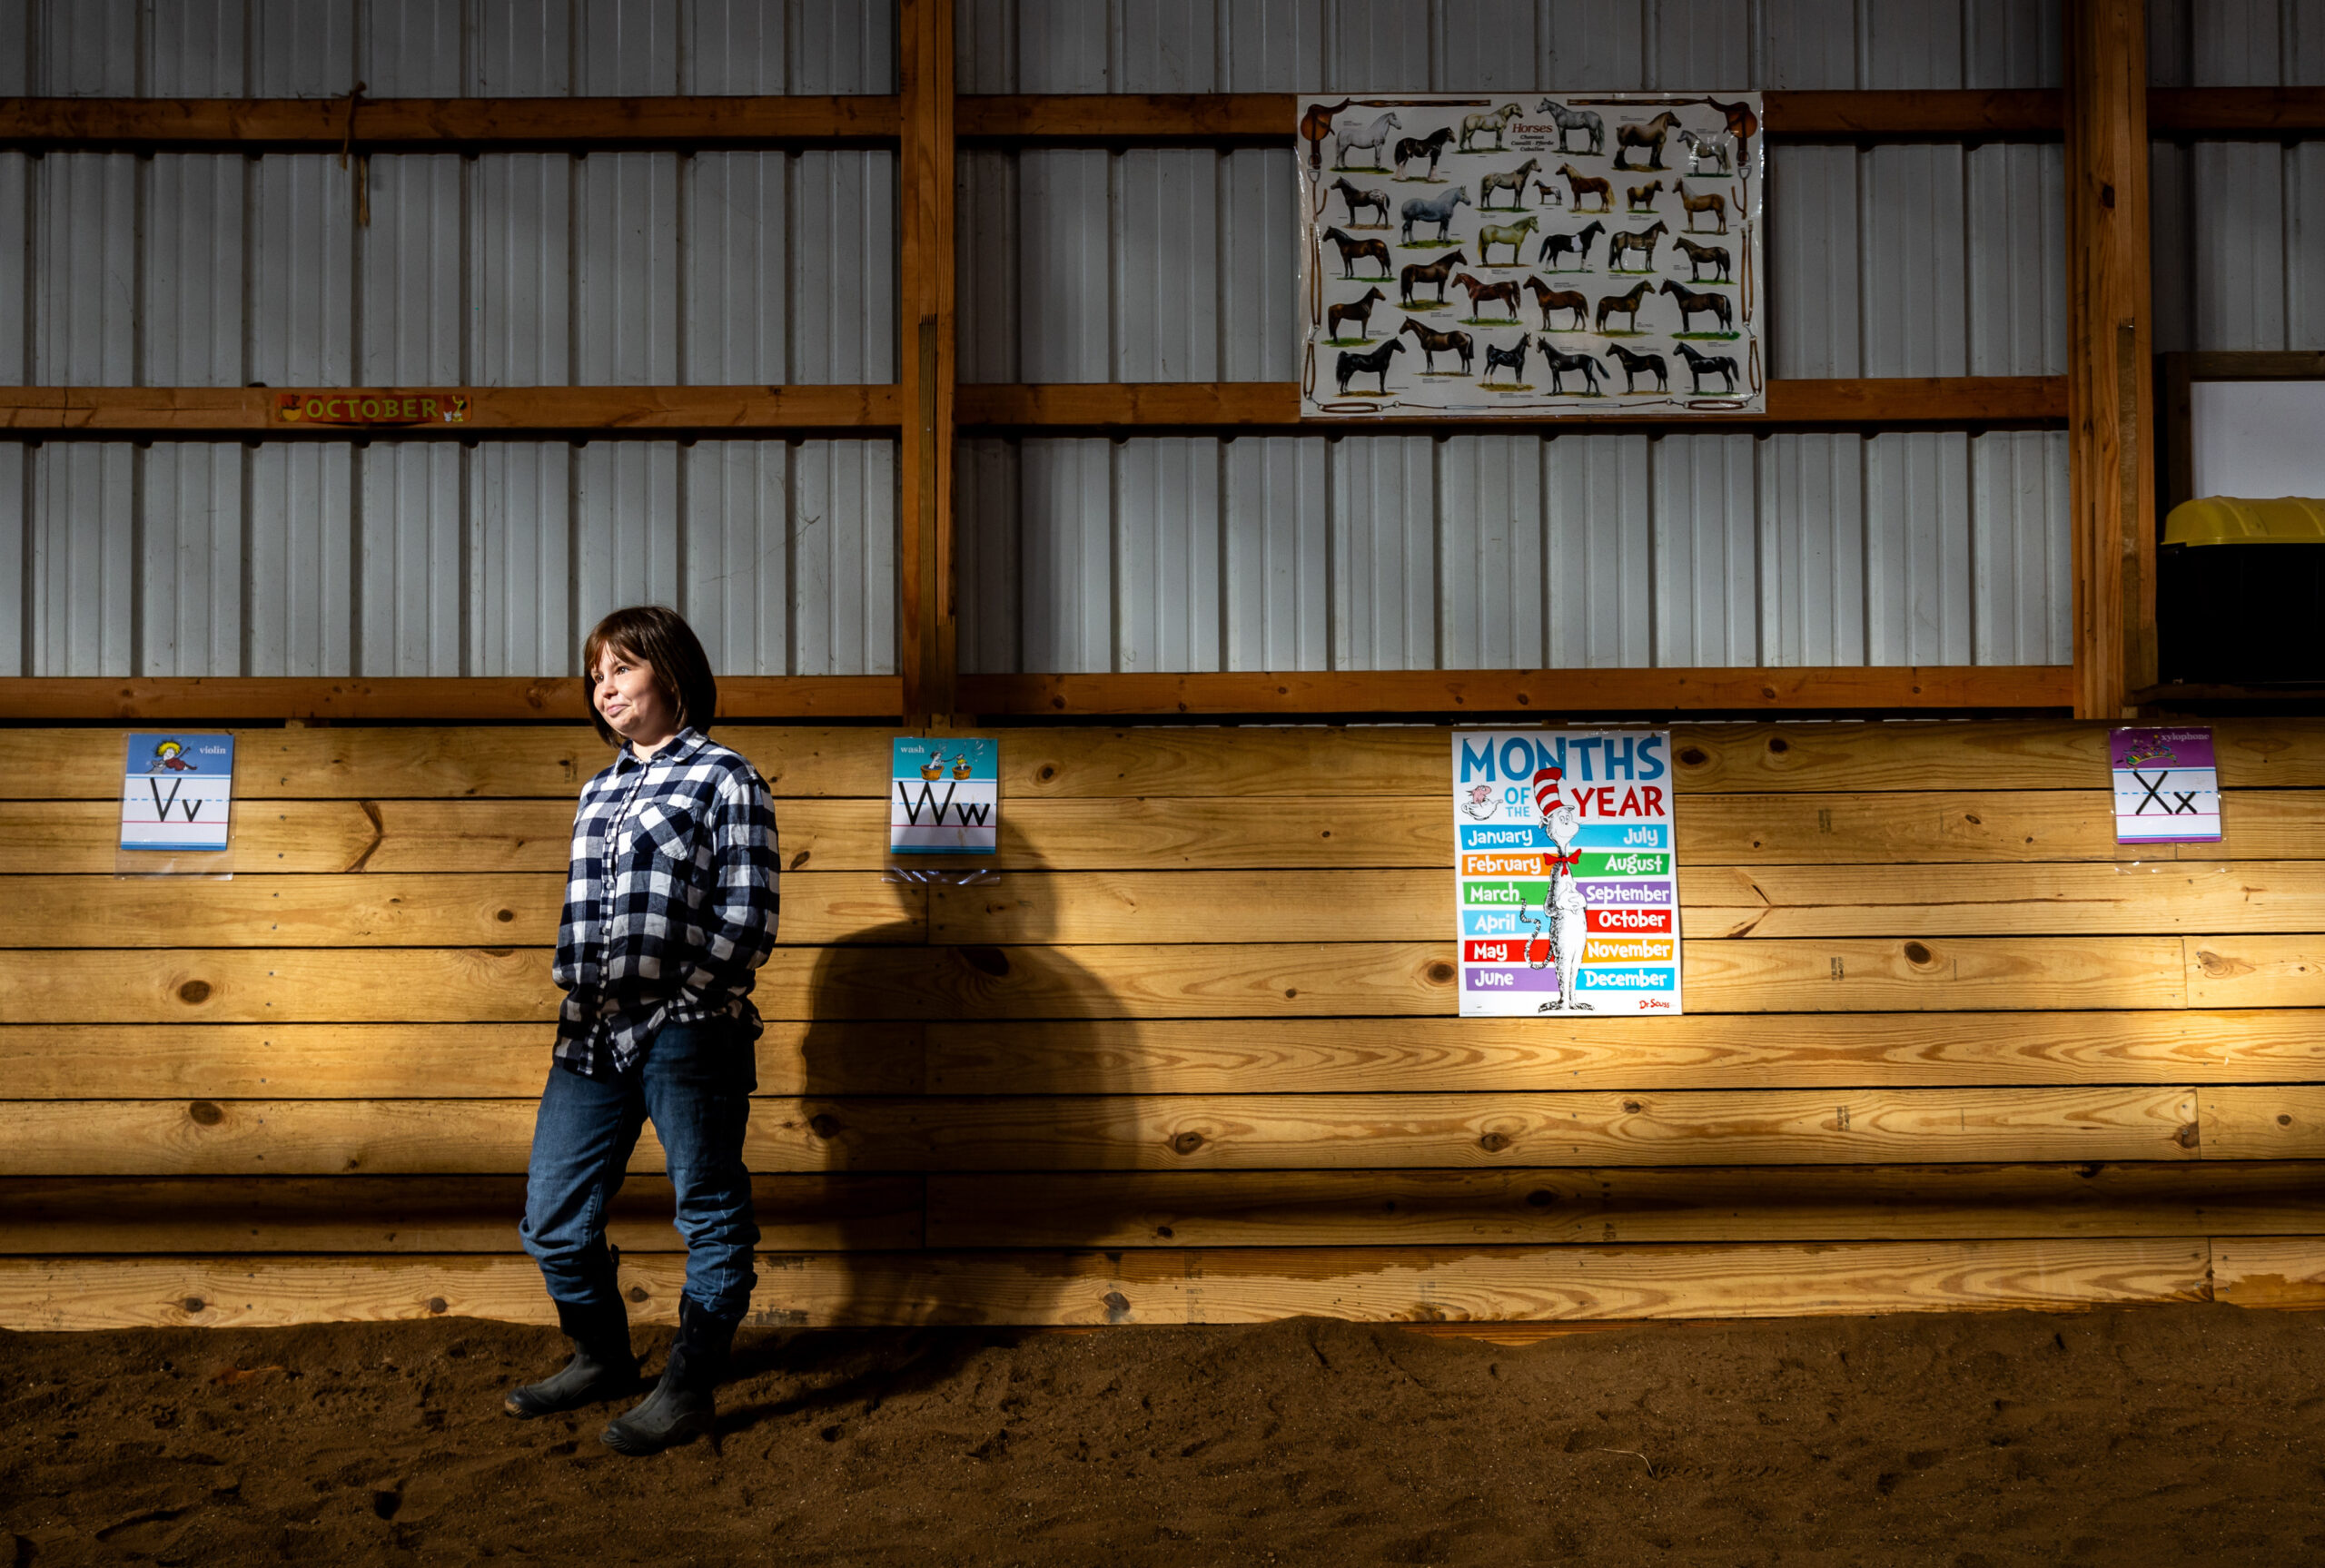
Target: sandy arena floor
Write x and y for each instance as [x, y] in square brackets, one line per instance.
[2143, 1436]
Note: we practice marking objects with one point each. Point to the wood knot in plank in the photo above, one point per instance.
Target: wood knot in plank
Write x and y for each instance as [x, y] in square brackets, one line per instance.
[1493, 1142]
[1117, 1306]
[1916, 954]
[1440, 974]
[824, 1125]
[2189, 1135]
[1778, 745]
[1186, 1143]
[437, 1305]
[986, 961]
[205, 1113]
[194, 993]
[2220, 966]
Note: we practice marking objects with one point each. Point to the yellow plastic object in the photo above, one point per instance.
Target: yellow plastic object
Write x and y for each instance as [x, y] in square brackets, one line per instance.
[2224, 520]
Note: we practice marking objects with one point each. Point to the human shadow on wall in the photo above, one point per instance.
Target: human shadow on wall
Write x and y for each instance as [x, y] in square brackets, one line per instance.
[976, 1067]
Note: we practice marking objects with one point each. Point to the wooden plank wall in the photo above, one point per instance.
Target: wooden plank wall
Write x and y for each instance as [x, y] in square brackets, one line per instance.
[1191, 1057]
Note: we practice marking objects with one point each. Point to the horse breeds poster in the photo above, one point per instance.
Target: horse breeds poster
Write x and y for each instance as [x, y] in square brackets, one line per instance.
[1525, 254]
[1564, 881]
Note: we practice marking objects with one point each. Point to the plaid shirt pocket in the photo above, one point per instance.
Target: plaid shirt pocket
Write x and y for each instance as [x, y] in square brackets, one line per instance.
[663, 829]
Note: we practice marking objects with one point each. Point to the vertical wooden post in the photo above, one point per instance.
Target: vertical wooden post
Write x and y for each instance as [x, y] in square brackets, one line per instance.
[926, 619]
[2111, 395]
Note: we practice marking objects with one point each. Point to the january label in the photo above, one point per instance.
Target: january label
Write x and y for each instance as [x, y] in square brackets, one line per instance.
[1566, 882]
[177, 791]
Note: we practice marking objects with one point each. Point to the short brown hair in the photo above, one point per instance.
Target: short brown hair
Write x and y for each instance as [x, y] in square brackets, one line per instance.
[660, 639]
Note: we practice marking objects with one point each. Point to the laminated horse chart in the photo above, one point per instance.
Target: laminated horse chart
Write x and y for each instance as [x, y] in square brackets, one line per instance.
[1565, 882]
[1522, 254]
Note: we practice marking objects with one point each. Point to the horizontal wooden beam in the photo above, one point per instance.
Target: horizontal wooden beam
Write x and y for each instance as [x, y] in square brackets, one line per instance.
[1267, 118]
[468, 699]
[1228, 118]
[1544, 692]
[1859, 401]
[1468, 1282]
[2237, 112]
[403, 124]
[195, 411]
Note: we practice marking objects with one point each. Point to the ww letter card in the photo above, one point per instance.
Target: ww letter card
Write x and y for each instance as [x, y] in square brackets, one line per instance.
[1568, 895]
[2167, 790]
[177, 791]
[946, 797]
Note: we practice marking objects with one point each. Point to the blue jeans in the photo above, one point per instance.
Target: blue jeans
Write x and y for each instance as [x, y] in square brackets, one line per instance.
[695, 1081]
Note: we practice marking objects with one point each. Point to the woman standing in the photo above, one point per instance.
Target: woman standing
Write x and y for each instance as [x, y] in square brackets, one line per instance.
[669, 907]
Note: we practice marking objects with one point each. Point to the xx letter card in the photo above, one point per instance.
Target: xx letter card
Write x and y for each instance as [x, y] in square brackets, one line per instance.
[177, 791]
[946, 796]
[2167, 790]
[1568, 893]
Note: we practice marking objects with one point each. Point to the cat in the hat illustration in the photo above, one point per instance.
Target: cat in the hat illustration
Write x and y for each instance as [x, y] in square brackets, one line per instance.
[1563, 910]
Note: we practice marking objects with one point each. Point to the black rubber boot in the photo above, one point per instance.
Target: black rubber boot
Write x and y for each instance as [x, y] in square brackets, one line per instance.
[681, 1408]
[602, 1367]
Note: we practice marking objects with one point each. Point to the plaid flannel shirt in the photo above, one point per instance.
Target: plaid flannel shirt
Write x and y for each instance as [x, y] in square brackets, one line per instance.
[670, 901]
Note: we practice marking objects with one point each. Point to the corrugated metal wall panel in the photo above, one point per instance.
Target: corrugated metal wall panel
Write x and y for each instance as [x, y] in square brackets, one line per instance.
[984, 249]
[1166, 284]
[191, 548]
[1169, 46]
[302, 532]
[2239, 227]
[1064, 295]
[1259, 301]
[412, 49]
[1065, 555]
[83, 560]
[520, 568]
[1061, 47]
[1490, 540]
[410, 560]
[836, 47]
[1384, 558]
[1706, 551]
[302, 48]
[86, 254]
[737, 319]
[843, 240]
[521, 261]
[1513, 551]
[302, 275]
[409, 261]
[1809, 43]
[1377, 45]
[737, 553]
[2015, 246]
[626, 532]
[1814, 275]
[625, 273]
[196, 48]
[1167, 555]
[1598, 553]
[16, 266]
[17, 72]
[1279, 553]
[522, 48]
[15, 540]
[1489, 43]
[193, 269]
[1274, 46]
[89, 48]
[627, 48]
[843, 568]
[1915, 287]
[1918, 549]
[2022, 585]
[2013, 42]
[1910, 46]
[986, 514]
[1699, 43]
[1812, 549]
